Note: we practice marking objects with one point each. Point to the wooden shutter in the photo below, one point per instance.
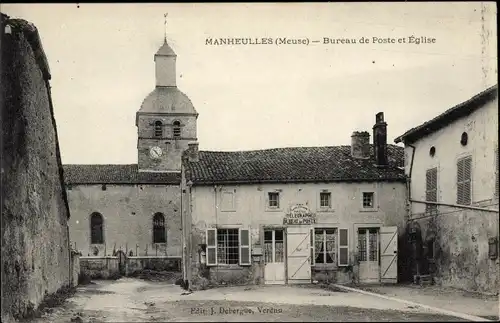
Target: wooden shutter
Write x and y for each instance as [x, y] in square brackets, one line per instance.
[313, 257]
[343, 247]
[496, 173]
[431, 188]
[464, 172]
[245, 255]
[211, 238]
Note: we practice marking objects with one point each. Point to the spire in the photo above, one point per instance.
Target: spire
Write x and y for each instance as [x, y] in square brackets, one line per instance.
[165, 27]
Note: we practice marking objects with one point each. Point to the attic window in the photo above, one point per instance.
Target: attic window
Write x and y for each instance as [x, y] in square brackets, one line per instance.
[158, 129]
[103, 187]
[464, 139]
[177, 129]
[432, 151]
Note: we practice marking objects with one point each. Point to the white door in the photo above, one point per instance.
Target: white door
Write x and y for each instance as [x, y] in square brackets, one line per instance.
[298, 254]
[368, 255]
[389, 254]
[274, 256]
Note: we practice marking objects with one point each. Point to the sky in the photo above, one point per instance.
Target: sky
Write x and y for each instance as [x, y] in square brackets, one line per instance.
[260, 96]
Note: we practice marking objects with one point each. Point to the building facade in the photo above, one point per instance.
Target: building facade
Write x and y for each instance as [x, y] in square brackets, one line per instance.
[295, 215]
[136, 209]
[452, 165]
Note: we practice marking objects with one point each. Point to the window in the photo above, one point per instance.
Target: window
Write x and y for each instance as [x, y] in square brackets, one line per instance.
[274, 200]
[228, 246]
[432, 151]
[464, 188]
[324, 246]
[177, 129]
[159, 234]
[464, 139]
[367, 245]
[274, 246]
[431, 190]
[343, 247]
[496, 172]
[227, 201]
[158, 129]
[368, 198]
[96, 229]
[325, 200]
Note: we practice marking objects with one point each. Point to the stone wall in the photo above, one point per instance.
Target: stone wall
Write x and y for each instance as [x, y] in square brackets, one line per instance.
[99, 267]
[461, 249]
[35, 237]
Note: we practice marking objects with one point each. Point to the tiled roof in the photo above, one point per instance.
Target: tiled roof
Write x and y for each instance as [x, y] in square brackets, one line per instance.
[115, 174]
[301, 164]
[461, 110]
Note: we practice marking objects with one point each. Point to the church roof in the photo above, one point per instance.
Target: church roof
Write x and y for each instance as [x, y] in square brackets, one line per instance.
[167, 100]
[300, 164]
[165, 50]
[115, 174]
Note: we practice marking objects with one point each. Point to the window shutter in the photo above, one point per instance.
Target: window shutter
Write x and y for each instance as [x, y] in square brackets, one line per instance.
[343, 247]
[464, 170]
[211, 247]
[496, 173]
[245, 256]
[313, 257]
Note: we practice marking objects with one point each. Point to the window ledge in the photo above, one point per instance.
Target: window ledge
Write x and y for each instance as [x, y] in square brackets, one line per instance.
[96, 244]
[326, 210]
[368, 210]
[159, 243]
[233, 210]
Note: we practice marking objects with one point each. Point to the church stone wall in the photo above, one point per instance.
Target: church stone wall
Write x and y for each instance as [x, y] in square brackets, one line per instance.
[128, 218]
[36, 257]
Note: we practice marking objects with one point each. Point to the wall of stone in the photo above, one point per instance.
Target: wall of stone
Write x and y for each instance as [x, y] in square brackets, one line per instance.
[128, 218]
[35, 237]
[99, 267]
[461, 249]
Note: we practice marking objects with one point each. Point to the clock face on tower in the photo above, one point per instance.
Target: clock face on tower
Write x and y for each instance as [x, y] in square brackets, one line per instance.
[155, 152]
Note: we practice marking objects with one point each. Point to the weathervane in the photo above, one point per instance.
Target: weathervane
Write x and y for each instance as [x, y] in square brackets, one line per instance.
[165, 29]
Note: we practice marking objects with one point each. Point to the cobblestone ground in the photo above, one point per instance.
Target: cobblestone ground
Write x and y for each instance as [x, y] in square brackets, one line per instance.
[133, 300]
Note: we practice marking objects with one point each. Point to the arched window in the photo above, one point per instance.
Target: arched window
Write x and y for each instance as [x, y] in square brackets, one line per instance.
[177, 129]
[96, 228]
[159, 234]
[158, 129]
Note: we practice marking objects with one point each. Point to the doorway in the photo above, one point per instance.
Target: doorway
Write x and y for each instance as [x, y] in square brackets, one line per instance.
[298, 246]
[274, 257]
[368, 255]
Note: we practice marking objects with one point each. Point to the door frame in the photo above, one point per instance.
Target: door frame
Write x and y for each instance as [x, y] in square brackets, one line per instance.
[265, 227]
[309, 227]
[356, 228]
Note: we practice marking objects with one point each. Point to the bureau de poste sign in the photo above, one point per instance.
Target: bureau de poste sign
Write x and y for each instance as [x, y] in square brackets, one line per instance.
[299, 214]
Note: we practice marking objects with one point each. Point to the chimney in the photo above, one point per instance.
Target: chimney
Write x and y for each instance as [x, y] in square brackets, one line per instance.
[360, 144]
[380, 139]
[192, 151]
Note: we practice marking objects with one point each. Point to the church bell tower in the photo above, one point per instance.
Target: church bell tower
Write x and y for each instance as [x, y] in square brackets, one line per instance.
[166, 121]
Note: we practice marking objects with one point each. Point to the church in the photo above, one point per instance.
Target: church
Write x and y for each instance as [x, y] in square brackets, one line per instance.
[272, 216]
[137, 208]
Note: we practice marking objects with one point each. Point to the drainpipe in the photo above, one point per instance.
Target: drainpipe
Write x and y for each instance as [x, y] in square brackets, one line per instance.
[408, 182]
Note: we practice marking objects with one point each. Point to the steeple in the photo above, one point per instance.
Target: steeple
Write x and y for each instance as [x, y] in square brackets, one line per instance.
[165, 63]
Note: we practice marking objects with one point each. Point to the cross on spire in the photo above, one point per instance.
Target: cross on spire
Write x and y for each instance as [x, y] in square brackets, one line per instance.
[165, 29]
